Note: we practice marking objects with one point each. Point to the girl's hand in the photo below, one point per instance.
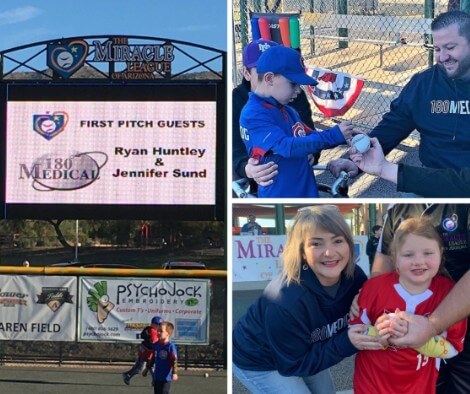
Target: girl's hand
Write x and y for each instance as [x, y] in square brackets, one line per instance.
[392, 324]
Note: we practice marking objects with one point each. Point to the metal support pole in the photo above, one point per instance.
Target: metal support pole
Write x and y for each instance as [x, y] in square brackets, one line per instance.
[311, 8]
[343, 31]
[372, 217]
[429, 13]
[280, 219]
[76, 240]
[244, 22]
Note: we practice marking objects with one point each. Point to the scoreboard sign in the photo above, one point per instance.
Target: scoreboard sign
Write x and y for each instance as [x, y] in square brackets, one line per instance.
[112, 150]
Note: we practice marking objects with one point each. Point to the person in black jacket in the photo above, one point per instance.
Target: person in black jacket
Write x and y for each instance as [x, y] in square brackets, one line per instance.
[243, 167]
[435, 102]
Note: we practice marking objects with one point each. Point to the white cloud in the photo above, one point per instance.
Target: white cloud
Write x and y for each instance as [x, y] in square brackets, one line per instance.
[17, 15]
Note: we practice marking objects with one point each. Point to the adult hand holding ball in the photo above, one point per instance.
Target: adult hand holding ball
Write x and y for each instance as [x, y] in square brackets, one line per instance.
[361, 142]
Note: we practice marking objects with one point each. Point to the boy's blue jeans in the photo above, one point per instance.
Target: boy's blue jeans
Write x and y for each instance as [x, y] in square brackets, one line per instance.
[272, 382]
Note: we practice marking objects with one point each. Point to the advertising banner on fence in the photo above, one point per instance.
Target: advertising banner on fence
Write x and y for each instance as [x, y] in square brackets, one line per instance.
[38, 308]
[117, 310]
[258, 258]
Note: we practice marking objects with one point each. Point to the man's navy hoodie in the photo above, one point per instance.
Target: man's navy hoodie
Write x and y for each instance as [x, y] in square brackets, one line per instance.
[439, 108]
[297, 330]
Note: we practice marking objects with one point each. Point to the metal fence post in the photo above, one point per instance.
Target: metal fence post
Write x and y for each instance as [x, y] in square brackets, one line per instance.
[342, 31]
[60, 354]
[429, 13]
[244, 22]
[280, 219]
[185, 357]
[311, 8]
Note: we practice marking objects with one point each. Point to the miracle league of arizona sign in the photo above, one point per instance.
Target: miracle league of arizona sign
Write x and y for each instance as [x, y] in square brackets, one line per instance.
[141, 61]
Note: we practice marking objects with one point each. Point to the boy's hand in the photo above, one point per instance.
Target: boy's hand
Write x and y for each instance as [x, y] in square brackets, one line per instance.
[347, 129]
[337, 165]
[175, 376]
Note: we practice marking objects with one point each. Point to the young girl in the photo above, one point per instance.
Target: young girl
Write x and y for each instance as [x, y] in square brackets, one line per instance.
[297, 329]
[417, 287]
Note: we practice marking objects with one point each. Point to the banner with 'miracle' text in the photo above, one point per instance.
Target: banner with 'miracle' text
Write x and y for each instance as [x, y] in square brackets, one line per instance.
[258, 258]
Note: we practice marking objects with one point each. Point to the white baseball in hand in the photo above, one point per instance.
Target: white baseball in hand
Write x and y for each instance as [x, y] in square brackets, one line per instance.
[361, 143]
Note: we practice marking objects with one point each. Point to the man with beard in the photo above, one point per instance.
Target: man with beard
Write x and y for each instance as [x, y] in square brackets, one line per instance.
[436, 102]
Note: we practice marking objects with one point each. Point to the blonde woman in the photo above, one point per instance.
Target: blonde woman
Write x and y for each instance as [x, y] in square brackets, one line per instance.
[297, 329]
[416, 286]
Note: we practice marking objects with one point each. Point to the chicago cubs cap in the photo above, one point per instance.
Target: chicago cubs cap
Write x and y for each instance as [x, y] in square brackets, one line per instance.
[287, 62]
[253, 51]
[157, 320]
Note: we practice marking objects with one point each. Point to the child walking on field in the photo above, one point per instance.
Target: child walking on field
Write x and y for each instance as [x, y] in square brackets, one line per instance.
[149, 336]
[417, 287]
[274, 132]
[164, 361]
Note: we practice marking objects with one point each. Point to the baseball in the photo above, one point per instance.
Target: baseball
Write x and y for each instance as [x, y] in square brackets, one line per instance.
[361, 143]
[206, 375]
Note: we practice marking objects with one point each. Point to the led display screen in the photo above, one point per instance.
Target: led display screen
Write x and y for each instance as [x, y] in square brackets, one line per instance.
[131, 148]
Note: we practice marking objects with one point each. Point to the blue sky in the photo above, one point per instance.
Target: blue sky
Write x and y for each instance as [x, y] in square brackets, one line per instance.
[202, 22]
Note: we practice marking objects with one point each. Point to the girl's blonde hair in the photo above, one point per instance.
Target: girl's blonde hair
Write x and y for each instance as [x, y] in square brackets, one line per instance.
[422, 227]
[307, 221]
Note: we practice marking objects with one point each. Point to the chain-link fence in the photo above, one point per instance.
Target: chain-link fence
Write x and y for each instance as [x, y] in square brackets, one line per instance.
[383, 42]
[211, 356]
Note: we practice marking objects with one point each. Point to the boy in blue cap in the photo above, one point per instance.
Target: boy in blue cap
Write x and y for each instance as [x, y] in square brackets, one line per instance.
[243, 167]
[273, 131]
[149, 336]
